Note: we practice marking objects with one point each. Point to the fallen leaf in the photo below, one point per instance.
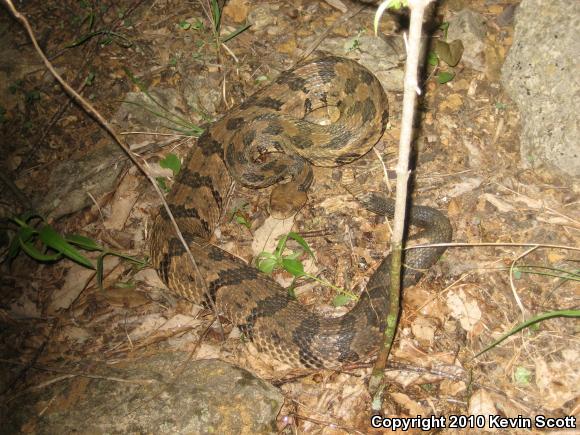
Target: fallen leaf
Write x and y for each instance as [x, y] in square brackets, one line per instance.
[266, 237]
[449, 52]
[463, 308]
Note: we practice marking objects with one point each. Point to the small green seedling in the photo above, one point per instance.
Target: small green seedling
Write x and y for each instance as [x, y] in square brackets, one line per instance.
[522, 376]
[267, 262]
[171, 161]
[241, 217]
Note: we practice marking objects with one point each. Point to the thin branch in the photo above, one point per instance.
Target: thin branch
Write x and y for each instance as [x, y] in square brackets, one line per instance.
[413, 44]
[109, 129]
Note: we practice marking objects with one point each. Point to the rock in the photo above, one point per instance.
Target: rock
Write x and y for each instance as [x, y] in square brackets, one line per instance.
[95, 172]
[385, 60]
[237, 10]
[469, 27]
[263, 16]
[540, 74]
[165, 393]
[506, 18]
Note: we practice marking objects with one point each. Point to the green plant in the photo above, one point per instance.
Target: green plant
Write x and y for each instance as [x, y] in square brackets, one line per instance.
[43, 243]
[88, 21]
[530, 322]
[171, 161]
[554, 272]
[214, 13]
[267, 262]
[448, 52]
[176, 122]
[240, 215]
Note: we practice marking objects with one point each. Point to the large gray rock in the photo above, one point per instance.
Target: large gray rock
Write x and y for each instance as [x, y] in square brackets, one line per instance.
[160, 394]
[541, 76]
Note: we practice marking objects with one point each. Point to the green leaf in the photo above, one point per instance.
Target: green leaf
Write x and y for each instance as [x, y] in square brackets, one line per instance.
[26, 233]
[444, 27]
[301, 242]
[100, 270]
[432, 58]
[450, 53]
[184, 25]
[341, 299]
[235, 33]
[533, 320]
[242, 220]
[14, 248]
[52, 239]
[444, 77]
[162, 184]
[294, 255]
[517, 273]
[266, 262]
[295, 267]
[31, 250]
[84, 242]
[198, 25]
[217, 15]
[522, 375]
[281, 245]
[171, 161]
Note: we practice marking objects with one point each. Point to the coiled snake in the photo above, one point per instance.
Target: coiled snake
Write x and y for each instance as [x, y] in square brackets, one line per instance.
[267, 139]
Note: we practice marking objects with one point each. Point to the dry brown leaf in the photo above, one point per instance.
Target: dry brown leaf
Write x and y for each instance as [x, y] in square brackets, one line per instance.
[465, 186]
[481, 403]
[463, 308]
[559, 379]
[500, 204]
[452, 102]
[125, 297]
[24, 307]
[150, 277]
[123, 202]
[409, 404]
[76, 280]
[266, 237]
[424, 330]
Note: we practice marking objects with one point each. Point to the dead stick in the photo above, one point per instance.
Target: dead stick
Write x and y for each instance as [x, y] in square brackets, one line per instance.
[109, 129]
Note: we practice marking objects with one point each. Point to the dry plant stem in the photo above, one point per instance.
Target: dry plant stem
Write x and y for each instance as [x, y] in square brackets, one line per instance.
[109, 129]
[376, 386]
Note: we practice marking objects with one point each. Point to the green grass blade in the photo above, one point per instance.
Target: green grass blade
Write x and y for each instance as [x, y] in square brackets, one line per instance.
[216, 14]
[298, 238]
[86, 243]
[31, 250]
[235, 33]
[100, 267]
[533, 320]
[52, 239]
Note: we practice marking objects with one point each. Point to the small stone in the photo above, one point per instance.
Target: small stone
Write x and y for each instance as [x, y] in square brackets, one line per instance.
[469, 27]
[237, 10]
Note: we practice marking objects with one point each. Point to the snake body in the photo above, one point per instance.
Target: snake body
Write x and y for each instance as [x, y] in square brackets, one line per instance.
[267, 139]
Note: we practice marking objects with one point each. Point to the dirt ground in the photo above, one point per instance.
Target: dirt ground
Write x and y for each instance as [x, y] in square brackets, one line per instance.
[468, 165]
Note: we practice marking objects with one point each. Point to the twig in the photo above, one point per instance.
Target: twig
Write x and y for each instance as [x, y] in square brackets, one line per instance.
[376, 385]
[343, 19]
[469, 245]
[109, 129]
